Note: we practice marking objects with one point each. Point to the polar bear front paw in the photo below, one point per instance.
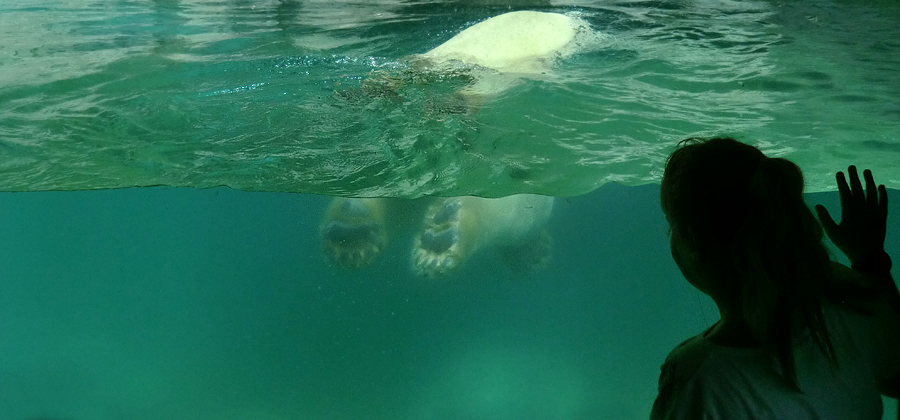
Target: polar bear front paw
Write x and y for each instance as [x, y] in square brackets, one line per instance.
[353, 234]
[437, 249]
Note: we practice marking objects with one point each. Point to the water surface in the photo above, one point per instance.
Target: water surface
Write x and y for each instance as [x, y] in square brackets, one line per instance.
[259, 95]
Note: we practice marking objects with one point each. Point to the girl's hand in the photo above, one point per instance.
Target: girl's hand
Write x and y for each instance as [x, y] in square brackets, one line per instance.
[860, 234]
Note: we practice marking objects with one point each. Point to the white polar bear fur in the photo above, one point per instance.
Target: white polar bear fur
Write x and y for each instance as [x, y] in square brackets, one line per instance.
[517, 42]
[513, 221]
[508, 220]
[522, 44]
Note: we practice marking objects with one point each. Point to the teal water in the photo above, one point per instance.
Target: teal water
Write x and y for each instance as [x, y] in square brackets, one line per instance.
[167, 303]
[215, 304]
[260, 95]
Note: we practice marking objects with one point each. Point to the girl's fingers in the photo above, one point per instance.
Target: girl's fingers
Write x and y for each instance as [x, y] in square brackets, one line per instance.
[844, 191]
[871, 191]
[855, 185]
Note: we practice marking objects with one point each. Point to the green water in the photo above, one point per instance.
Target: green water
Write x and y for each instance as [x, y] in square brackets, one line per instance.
[167, 303]
[215, 304]
[119, 94]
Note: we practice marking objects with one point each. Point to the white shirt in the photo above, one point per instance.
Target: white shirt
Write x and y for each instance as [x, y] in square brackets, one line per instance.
[702, 380]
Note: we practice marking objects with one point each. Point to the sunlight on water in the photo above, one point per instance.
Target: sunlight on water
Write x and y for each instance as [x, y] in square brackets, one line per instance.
[265, 96]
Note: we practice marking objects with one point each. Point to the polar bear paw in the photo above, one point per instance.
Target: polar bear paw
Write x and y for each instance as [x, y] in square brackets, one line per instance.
[353, 235]
[437, 248]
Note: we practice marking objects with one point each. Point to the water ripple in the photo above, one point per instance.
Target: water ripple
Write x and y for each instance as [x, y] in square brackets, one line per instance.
[273, 96]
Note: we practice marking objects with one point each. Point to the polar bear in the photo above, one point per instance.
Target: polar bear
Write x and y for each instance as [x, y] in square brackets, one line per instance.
[515, 42]
[355, 231]
[490, 56]
[456, 228]
[505, 48]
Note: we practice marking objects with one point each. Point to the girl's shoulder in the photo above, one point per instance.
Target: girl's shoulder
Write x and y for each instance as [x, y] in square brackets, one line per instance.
[680, 365]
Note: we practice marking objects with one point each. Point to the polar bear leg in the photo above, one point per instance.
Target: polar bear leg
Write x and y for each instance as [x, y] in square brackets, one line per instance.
[353, 231]
[456, 228]
[437, 249]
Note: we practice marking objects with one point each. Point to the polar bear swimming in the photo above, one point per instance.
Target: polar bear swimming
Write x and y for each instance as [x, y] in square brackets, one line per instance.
[515, 42]
[355, 231]
[492, 56]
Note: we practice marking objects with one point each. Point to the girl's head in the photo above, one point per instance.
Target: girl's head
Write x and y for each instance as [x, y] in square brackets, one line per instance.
[732, 208]
[706, 198]
[742, 234]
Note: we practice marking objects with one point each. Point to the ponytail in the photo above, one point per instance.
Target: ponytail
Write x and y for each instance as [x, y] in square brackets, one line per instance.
[784, 263]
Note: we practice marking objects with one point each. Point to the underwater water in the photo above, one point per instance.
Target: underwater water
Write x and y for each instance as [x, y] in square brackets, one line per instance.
[168, 303]
[265, 95]
[217, 304]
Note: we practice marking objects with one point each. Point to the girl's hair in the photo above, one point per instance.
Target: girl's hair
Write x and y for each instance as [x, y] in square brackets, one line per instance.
[746, 212]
